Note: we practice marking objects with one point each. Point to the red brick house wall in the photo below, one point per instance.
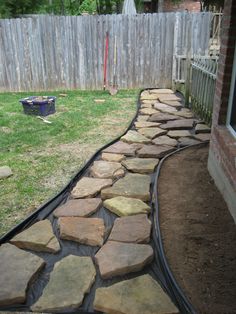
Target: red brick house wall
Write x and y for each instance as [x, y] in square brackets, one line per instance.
[189, 5]
[222, 154]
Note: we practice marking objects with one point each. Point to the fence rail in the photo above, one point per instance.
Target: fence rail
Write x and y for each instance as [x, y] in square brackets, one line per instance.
[203, 86]
[56, 52]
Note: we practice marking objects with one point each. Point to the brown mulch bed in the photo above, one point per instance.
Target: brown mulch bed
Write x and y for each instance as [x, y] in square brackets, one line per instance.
[198, 232]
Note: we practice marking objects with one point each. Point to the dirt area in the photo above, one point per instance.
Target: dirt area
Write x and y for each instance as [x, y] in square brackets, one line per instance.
[199, 234]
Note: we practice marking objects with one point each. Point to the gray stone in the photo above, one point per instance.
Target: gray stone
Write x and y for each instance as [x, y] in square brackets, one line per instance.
[184, 113]
[186, 141]
[166, 97]
[117, 258]
[131, 229]
[154, 151]
[106, 169]
[146, 124]
[89, 187]
[134, 137]
[120, 148]
[165, 140]
[132, 185]
[173, 103]
[140, 295]
[5, 172]
[112, 157]
[89, 231]
[202, 128]
[203, 137]
[125, 206]
[165, 108]
[78, 208]
[179, 133]
[141, 165]
[148, 111]
[162, 117]
[39, 237]
[182, 124]
[18, 269]
[152, 132]
[70, 280]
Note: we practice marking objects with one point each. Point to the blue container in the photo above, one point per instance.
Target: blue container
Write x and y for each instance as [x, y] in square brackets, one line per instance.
[39, 105]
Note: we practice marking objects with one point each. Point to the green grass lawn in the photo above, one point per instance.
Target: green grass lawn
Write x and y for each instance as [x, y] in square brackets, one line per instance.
[43, 157]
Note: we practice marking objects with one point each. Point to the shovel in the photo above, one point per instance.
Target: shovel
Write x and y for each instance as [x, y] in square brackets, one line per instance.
[113, 89]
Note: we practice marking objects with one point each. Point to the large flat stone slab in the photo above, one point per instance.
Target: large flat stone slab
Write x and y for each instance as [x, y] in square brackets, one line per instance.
[148, 111]
[78, 208]
[39, 237]
[146, 124]
[134, 137]
[169, 96]
[162, 117]
[147, 105]
[116, 258]
[173, 103]
[161, 91]
[70, 280]
[141, 165]
[17, 268]
[165, 108]
[203, 137]
[184, 113]
[106, 169]
[121, 148]
[152, 132]
[125, 206]
[154, 151]
[112, 157]
[182, 124]
[202, 128]
[165, 140]
[132, 185]
[140, 295]
[186, 141]
[131, 229]
[148, 96]
[143, 117]
[89, 187]
[89, 231]
[5, 172]
[179, 133]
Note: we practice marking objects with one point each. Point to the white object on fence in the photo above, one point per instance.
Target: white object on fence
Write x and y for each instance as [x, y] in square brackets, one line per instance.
[129, 7]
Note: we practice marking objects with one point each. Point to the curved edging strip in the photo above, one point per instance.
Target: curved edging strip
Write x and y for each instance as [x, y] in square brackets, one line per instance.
[169, 282]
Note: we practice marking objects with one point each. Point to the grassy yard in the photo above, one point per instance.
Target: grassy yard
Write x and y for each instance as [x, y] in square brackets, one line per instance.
[43, 156]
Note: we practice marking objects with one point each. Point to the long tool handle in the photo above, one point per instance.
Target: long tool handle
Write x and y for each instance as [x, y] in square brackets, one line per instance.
[105, 61]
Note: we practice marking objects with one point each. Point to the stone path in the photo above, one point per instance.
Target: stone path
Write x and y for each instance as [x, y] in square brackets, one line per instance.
[117, 184]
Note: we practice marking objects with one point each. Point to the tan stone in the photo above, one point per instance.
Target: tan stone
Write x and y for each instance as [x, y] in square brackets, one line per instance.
[161, 91]
[165, 97]
[165, 108]
[186, 141]
[165, 140]
[141, 165]
[39, 237]
[203, 137]
[179, 133]
[148, 97]
[120, 148]
[148, 111]
[173, 103]
[184, 113]
[131, 229]
[140, 295]
[148, 101]
[112, 157]
[202, 128]
[154, 151]
[106, 170]
[117, 258]
[146, 105]
[71, 278]
[89, 187]
[78, 208]
[182, 124]
[89, 231]
[132, 185]
[134, 137]
[18, 269]
[125, 206]
[142, 118]
[162, 117]
[152, 132]
[146, 124]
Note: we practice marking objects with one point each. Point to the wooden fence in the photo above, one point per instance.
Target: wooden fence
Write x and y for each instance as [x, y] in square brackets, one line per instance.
[56, 52]
[202, 88]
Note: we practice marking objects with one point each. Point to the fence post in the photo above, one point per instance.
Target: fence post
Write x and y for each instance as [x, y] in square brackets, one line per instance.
[188, 61]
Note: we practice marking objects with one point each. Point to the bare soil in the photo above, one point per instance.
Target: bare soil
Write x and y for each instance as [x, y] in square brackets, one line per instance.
[198, 232]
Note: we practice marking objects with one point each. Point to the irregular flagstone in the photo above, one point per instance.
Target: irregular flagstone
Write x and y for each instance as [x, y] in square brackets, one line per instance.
[169, 96]
[186, 141]
[165, 108]
[141, 165]
[18, 269]
[113, 157]
[120, 148]
[146, 124]
[173, 103]
[107, 169]
[161, 91]
[78, 208]
[203, 137]
[148, 97]
[154, 151]
[202, 128]
[134, 137]
[162, 117]
[142, 118]
[165, 140]
[117, 258]
[145, 92]
[142, 295]
[184, 113]
[179, 133]
[88, 187]
[152, 132]
[5, 172]
[39, 237]
[148, 111]
[70, 280]
[132, 185]
[125, 206]
[89, 231]
[178, 124]
[131, 229]
[146, 105]
[148, 101]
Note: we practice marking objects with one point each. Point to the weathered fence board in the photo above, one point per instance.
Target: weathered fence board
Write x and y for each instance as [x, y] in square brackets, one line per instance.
[57, 52]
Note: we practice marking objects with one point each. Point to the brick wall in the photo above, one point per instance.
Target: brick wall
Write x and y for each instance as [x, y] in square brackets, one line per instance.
[189, 5]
